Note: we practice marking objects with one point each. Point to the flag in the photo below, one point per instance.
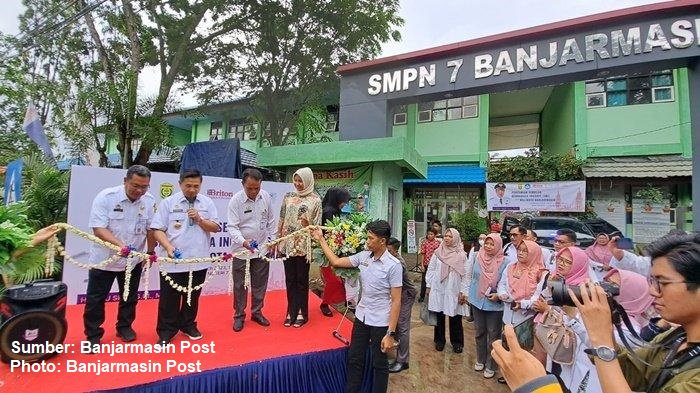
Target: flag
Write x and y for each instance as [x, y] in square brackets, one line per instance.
[13, 182]
[32, 126]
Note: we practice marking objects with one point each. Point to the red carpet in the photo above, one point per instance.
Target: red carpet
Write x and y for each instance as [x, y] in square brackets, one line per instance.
[215, 321]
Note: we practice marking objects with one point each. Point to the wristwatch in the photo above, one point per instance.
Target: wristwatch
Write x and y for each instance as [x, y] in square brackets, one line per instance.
[603, 352]
[391, 333]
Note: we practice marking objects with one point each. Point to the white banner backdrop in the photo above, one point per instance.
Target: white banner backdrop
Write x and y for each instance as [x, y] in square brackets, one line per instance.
[609, 204]
[86, 182]
[556, 196]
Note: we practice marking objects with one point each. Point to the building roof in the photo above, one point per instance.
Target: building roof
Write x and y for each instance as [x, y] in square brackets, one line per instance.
[461, 174]
[640, 167]
[518, 36]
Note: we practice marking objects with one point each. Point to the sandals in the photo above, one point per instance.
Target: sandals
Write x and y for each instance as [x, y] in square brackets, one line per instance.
[288, 321]
[301, 321]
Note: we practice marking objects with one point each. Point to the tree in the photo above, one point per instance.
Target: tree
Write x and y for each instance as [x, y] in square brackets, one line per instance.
[536, 166]
[285, 53]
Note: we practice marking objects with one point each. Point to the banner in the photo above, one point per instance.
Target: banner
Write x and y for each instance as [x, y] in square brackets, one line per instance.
[411, 236]
[356, 180]
[13, 182]
[86, 182]
[560, 196]
[609, 204]
[650, 220]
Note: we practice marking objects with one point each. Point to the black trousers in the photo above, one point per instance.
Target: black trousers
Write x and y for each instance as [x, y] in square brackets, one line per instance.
[364, 336]
[99, 284]
[456, 330]
[259, 272]
[173, 311]
[422, 282]
[296, 277]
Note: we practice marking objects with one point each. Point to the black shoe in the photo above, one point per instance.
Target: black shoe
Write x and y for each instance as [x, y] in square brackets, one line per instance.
[457, 349]
[260, 319]
[93, 342]
[421, 299]
[127, 334]
[237, 325]
[398, 367]
[300, 322]
[162, 342]
[325, 310]
[193, 333]
[439, 347]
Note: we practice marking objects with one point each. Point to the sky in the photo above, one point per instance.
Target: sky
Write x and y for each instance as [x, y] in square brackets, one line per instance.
[427, 23]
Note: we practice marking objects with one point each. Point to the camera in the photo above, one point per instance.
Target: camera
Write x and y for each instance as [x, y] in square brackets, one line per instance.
[560, 295]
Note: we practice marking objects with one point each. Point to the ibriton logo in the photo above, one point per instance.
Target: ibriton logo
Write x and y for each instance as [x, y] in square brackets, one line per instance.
[219, 194]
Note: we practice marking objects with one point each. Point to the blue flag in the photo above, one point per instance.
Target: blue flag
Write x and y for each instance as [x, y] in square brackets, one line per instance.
[13, 182]
[32, 126]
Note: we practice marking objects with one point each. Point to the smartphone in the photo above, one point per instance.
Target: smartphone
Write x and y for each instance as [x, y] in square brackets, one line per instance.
[625, 243]
[525, 332]
[488, 291]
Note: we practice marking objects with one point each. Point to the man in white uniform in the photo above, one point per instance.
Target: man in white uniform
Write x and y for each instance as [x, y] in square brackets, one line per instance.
[121, 216]
[182, 227]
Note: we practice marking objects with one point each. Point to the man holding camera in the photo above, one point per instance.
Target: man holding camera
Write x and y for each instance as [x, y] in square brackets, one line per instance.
[671, 363]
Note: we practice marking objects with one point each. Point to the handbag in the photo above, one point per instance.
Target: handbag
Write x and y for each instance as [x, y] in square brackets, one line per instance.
[428, 317]
[558, 341]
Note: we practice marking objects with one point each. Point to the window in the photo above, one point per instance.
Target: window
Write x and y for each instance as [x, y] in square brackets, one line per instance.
[332, 122]
[630, 90]
[400, 116]
[216, 131]
[243, 131]
[450, 109]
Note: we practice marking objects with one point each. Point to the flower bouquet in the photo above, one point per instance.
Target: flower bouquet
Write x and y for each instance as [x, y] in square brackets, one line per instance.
[347, 237]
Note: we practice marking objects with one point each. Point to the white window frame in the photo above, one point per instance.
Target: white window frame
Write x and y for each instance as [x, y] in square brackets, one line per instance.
[603, 105]
[397, 116]
[653, 96]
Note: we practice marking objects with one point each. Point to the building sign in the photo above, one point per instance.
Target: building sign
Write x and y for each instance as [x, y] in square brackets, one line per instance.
[411, 237]
[596, 48]
[609, 204]
[562, 196]
[650, 220]
[356, 180]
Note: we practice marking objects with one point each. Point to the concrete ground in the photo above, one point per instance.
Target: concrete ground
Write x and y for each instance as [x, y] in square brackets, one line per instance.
[432, 371]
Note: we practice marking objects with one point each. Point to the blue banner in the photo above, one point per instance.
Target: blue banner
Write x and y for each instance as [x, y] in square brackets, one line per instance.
[13, 182]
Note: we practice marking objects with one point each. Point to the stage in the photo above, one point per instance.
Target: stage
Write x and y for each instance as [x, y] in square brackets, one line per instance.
[256, 359]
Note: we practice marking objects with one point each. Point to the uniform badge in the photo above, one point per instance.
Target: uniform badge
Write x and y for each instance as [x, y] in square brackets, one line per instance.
[177, 225]
[166, 190]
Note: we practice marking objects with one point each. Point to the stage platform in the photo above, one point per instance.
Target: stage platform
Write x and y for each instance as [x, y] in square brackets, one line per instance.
[256, 359]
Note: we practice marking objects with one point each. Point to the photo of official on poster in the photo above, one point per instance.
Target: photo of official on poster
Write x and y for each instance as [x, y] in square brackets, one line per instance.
[561, 196]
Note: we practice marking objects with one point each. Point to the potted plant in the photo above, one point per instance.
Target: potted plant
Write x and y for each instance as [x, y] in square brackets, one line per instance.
[650, 194]
[469, 225]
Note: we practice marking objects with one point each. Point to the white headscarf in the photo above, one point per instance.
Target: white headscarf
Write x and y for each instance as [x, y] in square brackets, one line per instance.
[307, 177]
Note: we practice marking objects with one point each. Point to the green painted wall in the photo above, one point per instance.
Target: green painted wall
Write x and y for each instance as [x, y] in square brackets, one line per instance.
[201, 131]
[557, 120]
[450, 140]
[647, 129]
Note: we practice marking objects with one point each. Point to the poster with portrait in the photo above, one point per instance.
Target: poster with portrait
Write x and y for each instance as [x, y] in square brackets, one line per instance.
[559, 196]
[356, 180]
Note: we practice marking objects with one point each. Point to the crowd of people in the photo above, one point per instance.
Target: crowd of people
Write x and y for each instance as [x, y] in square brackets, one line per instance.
[504, 289]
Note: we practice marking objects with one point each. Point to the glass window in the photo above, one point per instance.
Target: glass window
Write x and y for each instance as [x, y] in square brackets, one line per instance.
[630, 90]
[454, 113]
[439, 115]
[453, 102]
[440, 104]
[471, 100]
[469, 111]
[399, 118]
[216, 131]
[595, 87]
[617, 98]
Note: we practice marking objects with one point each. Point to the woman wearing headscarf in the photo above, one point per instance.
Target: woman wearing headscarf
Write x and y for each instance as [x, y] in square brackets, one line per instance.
[447, 289]
[522, 283]
[333, 290]
[300, 208]
[573, 269]
[634, 295]
[487, 310]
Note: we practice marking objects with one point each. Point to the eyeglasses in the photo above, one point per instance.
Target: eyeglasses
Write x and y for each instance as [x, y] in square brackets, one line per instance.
[565, 261]
[514, 234]
[523, 252]
[559, 241]
[658, 284]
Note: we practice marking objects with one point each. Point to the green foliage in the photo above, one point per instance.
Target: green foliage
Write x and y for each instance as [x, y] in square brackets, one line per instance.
[536, 166]
[45, 192]
[469, 225]
[651, 194]
[15, 229]
[288, 61]
[311, 125]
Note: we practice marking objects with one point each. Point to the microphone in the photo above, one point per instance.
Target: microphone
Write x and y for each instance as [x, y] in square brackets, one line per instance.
[191, 206]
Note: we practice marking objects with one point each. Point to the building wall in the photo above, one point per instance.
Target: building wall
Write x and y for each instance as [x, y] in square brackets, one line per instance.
[647, 129]
[387, 176]
[558, 121]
